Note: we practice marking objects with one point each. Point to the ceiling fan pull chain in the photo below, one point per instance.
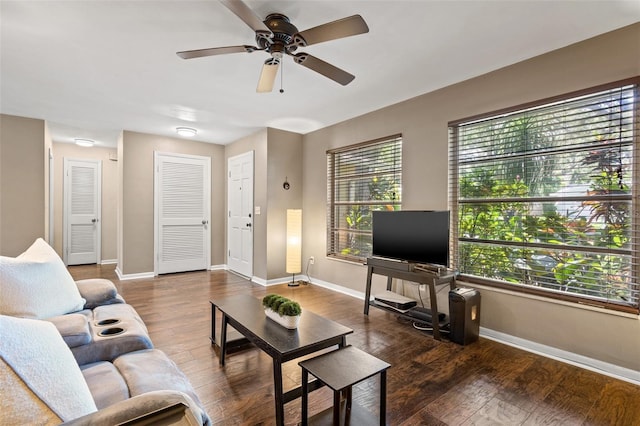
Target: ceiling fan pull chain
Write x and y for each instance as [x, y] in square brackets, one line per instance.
[281, 76]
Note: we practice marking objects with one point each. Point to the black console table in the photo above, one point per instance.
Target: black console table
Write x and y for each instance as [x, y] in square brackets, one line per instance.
[409, 272]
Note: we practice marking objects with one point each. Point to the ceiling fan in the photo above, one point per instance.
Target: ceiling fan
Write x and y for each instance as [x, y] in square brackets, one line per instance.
[277, 36]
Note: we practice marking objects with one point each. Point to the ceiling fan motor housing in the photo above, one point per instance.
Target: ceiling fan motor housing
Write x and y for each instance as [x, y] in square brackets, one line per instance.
[282, 40]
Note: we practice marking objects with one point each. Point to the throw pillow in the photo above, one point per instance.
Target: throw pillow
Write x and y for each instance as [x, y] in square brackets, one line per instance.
[37, 284]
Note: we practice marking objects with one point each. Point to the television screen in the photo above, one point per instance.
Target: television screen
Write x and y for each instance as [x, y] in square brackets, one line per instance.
[414, 236]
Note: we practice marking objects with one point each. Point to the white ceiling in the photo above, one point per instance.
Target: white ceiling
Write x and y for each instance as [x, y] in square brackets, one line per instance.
[93, 68]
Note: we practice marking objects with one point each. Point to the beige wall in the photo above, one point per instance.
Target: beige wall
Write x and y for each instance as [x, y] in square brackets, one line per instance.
[109, 200]
[283, 161]
[136, 155]
[277, 156]
[23, 212]
[423, 123]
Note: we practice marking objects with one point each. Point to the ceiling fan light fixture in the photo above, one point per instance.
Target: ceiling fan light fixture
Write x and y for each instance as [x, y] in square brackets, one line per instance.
[186, 131]
[87, 143]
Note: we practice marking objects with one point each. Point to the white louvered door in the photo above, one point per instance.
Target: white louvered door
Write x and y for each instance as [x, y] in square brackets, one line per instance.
[82, 230]
[182, 213]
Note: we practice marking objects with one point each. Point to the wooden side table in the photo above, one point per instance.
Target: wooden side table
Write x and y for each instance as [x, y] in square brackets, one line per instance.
[340, 370]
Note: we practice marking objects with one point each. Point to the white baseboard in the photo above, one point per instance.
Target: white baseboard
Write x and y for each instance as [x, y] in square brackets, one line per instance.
[125, 277]
[276, 281]
[108, 261]
[338, 288]
[222, 267]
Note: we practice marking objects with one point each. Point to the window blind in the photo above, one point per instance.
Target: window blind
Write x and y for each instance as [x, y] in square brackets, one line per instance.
[544, 198]
[360, 179]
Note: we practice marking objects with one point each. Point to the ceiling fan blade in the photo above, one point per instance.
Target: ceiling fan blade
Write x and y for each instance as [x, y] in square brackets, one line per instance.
[324, 68]
[199, 53]
[249, 17]
[268, 75]
[345, 27]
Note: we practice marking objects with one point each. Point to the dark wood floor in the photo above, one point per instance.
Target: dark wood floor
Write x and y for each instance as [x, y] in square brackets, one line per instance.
[429, 383]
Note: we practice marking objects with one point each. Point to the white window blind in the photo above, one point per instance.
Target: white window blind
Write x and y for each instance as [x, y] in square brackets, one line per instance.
[360, 179]
[544, 198]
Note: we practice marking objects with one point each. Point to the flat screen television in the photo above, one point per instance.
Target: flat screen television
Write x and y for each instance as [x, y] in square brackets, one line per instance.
[411, 235]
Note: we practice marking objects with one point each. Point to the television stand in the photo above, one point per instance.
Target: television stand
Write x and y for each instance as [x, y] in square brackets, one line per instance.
[420, 275]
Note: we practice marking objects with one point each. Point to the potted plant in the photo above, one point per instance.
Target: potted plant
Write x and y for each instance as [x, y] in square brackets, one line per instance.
[284, 311]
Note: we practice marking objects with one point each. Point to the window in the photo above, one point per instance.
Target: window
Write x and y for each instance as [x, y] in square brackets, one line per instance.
[544, 198]
[360, 179]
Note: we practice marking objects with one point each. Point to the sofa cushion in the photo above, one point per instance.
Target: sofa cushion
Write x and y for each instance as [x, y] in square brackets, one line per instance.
[97, 292]
[74, 329]
[36, 284]
[36, 353]
[105, 383]
[151, 370]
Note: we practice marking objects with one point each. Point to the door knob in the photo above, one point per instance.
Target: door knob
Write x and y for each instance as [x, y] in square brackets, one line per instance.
[204, 222]
[94, 220]
[248, 225]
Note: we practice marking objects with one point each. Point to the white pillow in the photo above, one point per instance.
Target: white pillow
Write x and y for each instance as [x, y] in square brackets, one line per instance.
[37, 284]
[36, 352]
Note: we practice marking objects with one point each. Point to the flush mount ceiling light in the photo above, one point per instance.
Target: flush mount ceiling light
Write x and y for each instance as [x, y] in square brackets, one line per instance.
[84, 142]
[186, 131]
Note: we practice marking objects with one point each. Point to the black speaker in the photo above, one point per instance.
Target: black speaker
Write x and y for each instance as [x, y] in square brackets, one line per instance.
[464, 315]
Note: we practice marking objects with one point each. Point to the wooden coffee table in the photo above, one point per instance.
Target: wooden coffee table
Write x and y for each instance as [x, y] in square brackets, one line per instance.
[314, 333]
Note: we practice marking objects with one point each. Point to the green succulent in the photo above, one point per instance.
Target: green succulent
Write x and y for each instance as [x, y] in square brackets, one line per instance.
[281, 305]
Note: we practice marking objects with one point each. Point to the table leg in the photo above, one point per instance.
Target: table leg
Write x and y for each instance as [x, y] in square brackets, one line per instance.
[213, 324]
[305, 397]
[383, 398]
[435, 321]
[367, 295]
[223, 339]
[278, 390]
[336, 408]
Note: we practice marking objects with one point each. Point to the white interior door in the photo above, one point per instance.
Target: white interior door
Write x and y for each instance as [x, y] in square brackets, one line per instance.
[182, 213]
[82, 211]
[240, 224]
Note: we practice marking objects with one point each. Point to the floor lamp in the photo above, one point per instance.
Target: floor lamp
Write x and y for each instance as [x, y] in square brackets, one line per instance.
[294, 244]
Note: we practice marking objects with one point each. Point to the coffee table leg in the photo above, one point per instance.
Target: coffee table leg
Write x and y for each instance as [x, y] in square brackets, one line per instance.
[279, 393]
[305, 397]
[223, 338]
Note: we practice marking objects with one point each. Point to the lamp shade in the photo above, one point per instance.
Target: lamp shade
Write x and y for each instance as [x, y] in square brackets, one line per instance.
[294, 241]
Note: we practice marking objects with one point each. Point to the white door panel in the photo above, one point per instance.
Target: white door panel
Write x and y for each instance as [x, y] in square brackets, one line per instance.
[240, 203]
[182, 213]
[82, 211]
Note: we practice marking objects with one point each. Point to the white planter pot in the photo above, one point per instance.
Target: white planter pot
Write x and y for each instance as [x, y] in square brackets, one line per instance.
[288, 322]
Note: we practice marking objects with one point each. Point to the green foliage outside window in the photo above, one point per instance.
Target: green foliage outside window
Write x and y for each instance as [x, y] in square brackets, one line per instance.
[363, 179]
[544, 198]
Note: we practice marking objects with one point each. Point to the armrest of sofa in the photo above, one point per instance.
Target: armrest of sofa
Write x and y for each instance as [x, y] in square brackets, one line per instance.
[158, 408]
[73, 328]
[98, 292]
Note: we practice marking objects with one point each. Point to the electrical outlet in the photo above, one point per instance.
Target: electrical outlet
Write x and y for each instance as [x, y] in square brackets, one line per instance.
[312, 260]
